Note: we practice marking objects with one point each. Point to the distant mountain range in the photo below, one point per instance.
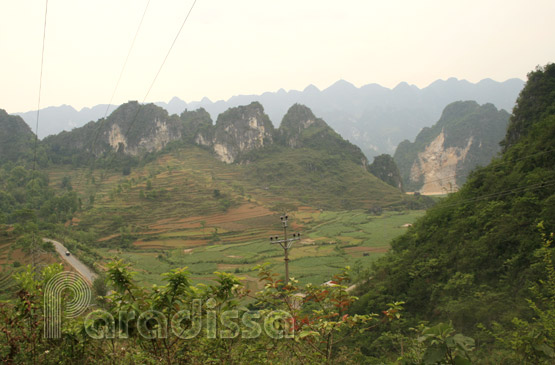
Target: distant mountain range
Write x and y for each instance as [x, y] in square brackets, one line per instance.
[373, 117]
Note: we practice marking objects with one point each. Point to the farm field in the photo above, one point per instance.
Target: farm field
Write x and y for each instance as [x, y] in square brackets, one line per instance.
[185, 208]
[330, 241]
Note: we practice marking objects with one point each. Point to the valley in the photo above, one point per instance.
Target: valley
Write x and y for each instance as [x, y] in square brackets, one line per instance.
[179, 221]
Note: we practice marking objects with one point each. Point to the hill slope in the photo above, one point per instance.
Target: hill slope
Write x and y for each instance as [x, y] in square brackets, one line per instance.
[473, 257]
[16, 137]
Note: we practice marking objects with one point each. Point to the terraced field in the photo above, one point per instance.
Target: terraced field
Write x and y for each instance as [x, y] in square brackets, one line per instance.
[188, 209]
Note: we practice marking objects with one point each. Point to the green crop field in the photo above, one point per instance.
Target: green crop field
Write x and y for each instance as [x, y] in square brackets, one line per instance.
[330, 241]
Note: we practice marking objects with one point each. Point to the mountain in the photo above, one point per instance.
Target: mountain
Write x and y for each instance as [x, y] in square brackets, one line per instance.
[373, 117]
[385, 169]
[304, 159]
[238, 130]
[55, 119]
[132, 129]
[441, 157]
[16, 138]
[476, 255]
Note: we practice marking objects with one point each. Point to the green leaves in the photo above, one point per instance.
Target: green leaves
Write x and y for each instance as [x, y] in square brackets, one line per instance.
[445, 346]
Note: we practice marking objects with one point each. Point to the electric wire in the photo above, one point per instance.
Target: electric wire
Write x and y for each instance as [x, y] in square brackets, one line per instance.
[40, 88]
[161, 67]
[134, 119]
[33, 243]
[103, 120]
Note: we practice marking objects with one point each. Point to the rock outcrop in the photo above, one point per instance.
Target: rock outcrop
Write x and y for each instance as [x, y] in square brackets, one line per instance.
[132, 129]
[441, 157]
[238, 130]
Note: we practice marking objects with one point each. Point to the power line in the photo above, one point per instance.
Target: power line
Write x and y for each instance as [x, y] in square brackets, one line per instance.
[134, 119]
[40, 88]
[161, 67]
[33, 244]
[127, 59]
[169, 51]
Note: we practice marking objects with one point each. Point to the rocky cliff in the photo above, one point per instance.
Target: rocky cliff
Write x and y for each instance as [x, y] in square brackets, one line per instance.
[238, 130]
[132, 129]
[441, 157]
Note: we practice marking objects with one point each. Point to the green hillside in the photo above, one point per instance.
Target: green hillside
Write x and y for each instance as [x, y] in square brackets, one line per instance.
[474, 257]
[16, 138]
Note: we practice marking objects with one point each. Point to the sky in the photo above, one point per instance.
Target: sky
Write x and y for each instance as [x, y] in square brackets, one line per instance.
[238, 47]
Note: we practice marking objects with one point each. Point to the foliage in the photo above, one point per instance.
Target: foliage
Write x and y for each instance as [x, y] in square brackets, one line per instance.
[532, 340]
[25, 194]
[180, 323]
[385, 169]
[473, 257]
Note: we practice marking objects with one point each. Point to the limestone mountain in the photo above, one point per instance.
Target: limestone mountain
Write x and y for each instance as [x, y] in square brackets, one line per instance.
[238, 130]
[373, 117]
[300, 128]
[16, 137]
[385, 169]
[441, 157]
[132, 129]
[295, 123]
[304, 160]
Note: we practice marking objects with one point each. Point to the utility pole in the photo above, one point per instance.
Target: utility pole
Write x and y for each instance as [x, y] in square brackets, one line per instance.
[286, 244]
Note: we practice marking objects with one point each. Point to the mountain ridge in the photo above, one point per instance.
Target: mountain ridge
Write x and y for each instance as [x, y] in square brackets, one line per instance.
[373, 117]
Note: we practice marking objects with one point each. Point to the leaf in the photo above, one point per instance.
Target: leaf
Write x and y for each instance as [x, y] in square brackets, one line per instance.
[546, 350]
[433, 355]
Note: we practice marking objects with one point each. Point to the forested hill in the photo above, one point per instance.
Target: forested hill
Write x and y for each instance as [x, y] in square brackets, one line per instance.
[441, 157]
[474, 257]
[15, 137]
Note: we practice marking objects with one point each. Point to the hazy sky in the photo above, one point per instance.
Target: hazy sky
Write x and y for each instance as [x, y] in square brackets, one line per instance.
[252, 46]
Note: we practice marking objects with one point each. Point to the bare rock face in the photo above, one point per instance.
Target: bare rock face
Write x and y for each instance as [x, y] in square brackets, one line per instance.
[238, 130]
[436, 166]
[441, 157]
[134, 129]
